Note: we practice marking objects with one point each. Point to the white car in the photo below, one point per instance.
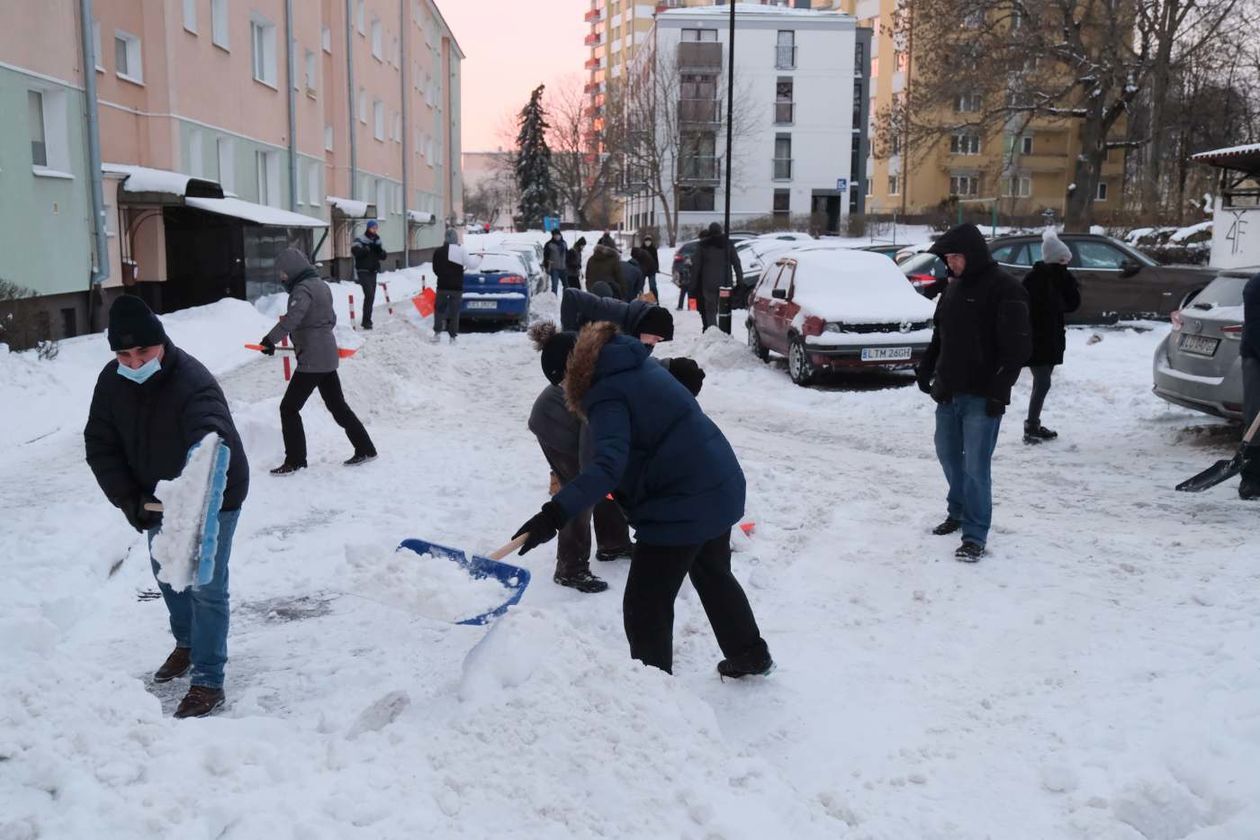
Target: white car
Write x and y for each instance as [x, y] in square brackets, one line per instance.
[837, 309]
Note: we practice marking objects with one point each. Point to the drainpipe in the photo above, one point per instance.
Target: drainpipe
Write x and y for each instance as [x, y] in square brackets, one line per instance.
[100, 272]
[402, 74]
[288, 48]
[354, 175]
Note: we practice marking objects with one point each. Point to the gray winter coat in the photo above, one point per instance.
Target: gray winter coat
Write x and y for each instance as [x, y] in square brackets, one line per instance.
[309, 321]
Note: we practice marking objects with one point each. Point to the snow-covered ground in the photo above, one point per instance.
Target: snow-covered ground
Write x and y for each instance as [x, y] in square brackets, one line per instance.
[1097, 676]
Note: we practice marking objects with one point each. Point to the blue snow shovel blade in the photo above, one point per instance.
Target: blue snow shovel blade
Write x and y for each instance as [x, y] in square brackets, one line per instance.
[513, 577]
[209, 548]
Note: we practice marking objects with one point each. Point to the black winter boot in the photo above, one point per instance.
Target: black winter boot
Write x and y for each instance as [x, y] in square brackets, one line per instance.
[747, 665]
[1249, 489]
[1035, 433]
[176, 665]
[287, 469]
[582, 581]
[969, 552]
[949, 526]
[607, 555]
[200, 701]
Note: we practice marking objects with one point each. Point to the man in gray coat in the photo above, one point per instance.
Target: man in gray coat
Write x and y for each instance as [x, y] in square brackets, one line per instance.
[713, 267]
[309, 321]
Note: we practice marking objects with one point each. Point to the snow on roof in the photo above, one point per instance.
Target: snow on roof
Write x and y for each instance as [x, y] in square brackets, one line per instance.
[856, 287]
[1232, 151]
[1185, 233]
[142, 179]
[349, 207]
[746, 9]
[256, 213]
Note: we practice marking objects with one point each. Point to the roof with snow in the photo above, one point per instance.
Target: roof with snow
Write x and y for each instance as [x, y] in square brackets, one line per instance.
[259, 214]
[142, 179]
[352, 208]
[1244, 158]
[755, 15]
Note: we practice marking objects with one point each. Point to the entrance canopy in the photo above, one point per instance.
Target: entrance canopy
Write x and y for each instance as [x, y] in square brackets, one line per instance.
[258, 214]
[1240, 158]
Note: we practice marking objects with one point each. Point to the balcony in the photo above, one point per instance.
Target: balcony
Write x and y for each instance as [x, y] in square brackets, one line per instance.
[592, 63]
[784, 113]
[699, 111]
[592, 16]
[782, 169]
[784, 58]
[591, 40]
[700, 55]
[699, 170]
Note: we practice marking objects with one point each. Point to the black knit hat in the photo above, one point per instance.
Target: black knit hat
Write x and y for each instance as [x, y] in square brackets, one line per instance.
[555, 356]
[133, 324]
[657, 321]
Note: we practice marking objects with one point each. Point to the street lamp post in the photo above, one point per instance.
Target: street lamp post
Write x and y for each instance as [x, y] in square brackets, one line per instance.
[724, 298]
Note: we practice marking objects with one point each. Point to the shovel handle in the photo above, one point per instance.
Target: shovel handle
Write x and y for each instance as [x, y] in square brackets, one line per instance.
[153, 507]
[499, 554]
[1252, 431]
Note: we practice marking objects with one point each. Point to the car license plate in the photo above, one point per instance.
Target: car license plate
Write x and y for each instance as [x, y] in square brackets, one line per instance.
[885, 354]
[482, 304]
[1198, 345]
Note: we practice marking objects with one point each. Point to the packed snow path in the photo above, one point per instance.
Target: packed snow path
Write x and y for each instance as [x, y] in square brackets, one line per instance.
[1095, 677]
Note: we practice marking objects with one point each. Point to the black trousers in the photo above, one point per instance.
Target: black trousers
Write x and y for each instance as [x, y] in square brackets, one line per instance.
[573, 547]
[1042, 378]
[367, 281]
[656, 574]
[301, 386]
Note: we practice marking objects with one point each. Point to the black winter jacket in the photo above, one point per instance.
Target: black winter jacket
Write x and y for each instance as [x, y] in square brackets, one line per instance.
[647, 259]
[1052, 291]
[450, 274]
[1251, 320]
[573, 264]
[555, 254]
[579, 308]
[631, 279]
[982, 338]
[368, 253]
[605, 265]
[137, 435]
[709, 271]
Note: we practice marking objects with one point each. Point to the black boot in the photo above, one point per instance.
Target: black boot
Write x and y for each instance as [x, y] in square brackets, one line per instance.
[1035, 433]
[176, 665]
[1249, 489]
[360, 458]
[949, 526]
[200, 701]
[607, 555]
[747, 665]
[969, 552]
[582, 581]
[288, 469]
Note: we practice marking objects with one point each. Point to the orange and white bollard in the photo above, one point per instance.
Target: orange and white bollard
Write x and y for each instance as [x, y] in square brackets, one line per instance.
[352, 326]
[388, 304]
[288, 371]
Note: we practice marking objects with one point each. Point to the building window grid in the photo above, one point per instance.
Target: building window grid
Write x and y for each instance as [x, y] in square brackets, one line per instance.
[220, 28]
[128, 57]
[1017, 186]
[263, 50]
[38, 132]
[964, 144]
[964, 185]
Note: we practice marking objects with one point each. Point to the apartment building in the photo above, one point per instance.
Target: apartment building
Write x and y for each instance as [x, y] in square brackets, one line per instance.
[800, 93]
[218, 144]
[1021, 173]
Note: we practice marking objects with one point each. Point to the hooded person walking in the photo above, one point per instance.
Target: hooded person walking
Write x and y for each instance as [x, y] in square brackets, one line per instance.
[980, 344]
[1052, 292]
[604, 267]
[674, 473]
[151, 405]
[649, 261]
[368, 254]
[715, 264]
[573, 264]
[309, 321]
[555, 259]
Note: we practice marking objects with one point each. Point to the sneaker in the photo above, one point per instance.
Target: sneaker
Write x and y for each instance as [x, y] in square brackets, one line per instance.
[969, 552]
[949, 526]
[607, 555]
[738, 667]
[200, 701]
[360, 458]
[288, 469]
[176, 665]
[582, 581]
[1035, 433]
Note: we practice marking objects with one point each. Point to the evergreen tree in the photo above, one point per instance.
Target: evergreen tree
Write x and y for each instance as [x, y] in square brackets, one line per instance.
[533, 163]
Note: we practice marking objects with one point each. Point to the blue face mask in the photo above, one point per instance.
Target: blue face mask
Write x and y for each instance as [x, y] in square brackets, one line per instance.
[141, 374]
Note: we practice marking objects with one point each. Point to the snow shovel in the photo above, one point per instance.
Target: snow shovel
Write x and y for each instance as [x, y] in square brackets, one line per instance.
[342, 352]
[425, 302]
[514, 578]
[1222, 470]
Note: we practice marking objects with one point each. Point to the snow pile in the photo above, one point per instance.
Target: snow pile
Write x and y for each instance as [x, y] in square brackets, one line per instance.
[177, 545]
[856, 287]
[423, 584]
[1199, 232]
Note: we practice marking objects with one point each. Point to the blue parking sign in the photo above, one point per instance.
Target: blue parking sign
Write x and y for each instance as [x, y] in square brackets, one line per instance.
[842, 185]
[551, 223]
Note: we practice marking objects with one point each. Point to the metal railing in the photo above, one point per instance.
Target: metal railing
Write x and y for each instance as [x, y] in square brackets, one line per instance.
[784, 57]
[707, 111]
[782, 169]
[700, 55]
[784, 113]
[699, 169]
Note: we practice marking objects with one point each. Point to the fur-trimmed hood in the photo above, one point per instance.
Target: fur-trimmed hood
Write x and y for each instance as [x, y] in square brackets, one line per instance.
[601, 350]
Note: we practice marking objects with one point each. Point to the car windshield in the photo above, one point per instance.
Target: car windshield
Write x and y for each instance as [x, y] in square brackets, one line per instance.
[500, 263]
[923, 264]
[1225, 290]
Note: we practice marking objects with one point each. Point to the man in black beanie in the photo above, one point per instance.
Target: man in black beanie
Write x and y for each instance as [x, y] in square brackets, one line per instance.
[152, 404]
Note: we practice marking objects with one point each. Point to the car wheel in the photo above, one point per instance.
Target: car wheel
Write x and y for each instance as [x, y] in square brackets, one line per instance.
[800, 368]
[754, 344]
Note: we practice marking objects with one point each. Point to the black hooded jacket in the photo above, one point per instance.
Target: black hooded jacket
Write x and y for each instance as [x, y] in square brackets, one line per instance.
[1052, 291]
[982, 337]
[137, 435]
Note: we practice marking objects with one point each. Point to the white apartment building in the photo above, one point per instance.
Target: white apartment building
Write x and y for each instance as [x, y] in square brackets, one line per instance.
[800, 94]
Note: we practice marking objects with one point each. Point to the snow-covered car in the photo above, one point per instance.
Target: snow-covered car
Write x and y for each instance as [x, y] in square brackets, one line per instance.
[755, 253]
[532, 252]
[788, 236]
[1198, 365]
[498, 290]
[829, 309]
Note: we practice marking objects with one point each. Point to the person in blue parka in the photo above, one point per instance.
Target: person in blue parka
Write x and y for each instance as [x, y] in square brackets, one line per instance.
[673, 471]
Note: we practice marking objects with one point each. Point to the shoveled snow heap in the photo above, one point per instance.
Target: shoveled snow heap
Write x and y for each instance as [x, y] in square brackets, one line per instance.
[177, 544]
[424, 584]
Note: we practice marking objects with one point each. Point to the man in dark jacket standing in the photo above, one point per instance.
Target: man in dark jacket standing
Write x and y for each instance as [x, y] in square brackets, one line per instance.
[368, 254]
[1052, 292]
[150, 406]
[1250, 353]
[555, 258]
[649, 261]
[980, 343]
[604, 266]
[449, 262]
[309, 321]
[573, 264]
[714, 265]
[676, 476]
[607, 241]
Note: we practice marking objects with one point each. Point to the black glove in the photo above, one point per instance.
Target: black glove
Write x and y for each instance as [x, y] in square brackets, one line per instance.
[268, 346]
[924, 378]
[139, 518]
[542, 527]
[690, 374]
[994, 408]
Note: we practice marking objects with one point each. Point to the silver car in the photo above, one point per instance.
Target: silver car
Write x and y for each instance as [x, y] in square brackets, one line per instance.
[1197, 365]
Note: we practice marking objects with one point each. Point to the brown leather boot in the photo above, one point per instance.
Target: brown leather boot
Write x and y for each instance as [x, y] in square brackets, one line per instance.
[200, 701]
[176, 665]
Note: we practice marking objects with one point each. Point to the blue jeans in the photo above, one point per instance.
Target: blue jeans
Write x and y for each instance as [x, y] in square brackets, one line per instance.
[965, 439]
[199, 614]
[557, 279]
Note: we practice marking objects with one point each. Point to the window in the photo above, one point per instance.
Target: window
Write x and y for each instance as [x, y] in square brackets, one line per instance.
[699, 34]
[313, 196]
[859, 58]
[190, 16]
[785, 50]
[870, 188]
[196, 154]
[964, 185]
[783, 102]
[377, 38]
[782, 157]
[263, 44]
[964, 144]
[219, 23]
[312, 72]
[127, 61]
[325, 39]
[378, 120]
[1026, 145]
[227, 165]
[903, 61]
[268, 166]
[1017, 186]
[700, 199]
[35, 116]
[857, 103]
[1091, 254]
[894, 185]
[1101, 195]
[968, 102]
[782, 204]
[96, 45]
[328, 138]
[363, 103]
[359, 17]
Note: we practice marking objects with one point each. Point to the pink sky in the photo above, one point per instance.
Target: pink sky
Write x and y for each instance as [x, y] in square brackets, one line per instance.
[512, 46]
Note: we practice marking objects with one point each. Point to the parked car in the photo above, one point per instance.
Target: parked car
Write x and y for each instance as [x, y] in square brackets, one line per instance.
[498, 291]
[836, 308]
[1197, 365]
[1116, 280]
[686, 250]
[788, 236]
[528, 246]
[755, 253]
[923, 271]
[888, 250]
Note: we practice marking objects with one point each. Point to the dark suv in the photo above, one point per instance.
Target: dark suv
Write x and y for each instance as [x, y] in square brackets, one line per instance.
[1116, 280]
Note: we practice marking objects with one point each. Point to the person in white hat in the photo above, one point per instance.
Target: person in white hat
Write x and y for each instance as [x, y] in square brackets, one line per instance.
[1052, 292]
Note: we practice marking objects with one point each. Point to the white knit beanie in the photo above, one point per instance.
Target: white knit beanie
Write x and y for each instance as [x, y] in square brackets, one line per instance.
[1052, 248]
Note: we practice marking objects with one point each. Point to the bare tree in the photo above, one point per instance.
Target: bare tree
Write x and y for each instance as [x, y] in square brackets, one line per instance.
[583, 175]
